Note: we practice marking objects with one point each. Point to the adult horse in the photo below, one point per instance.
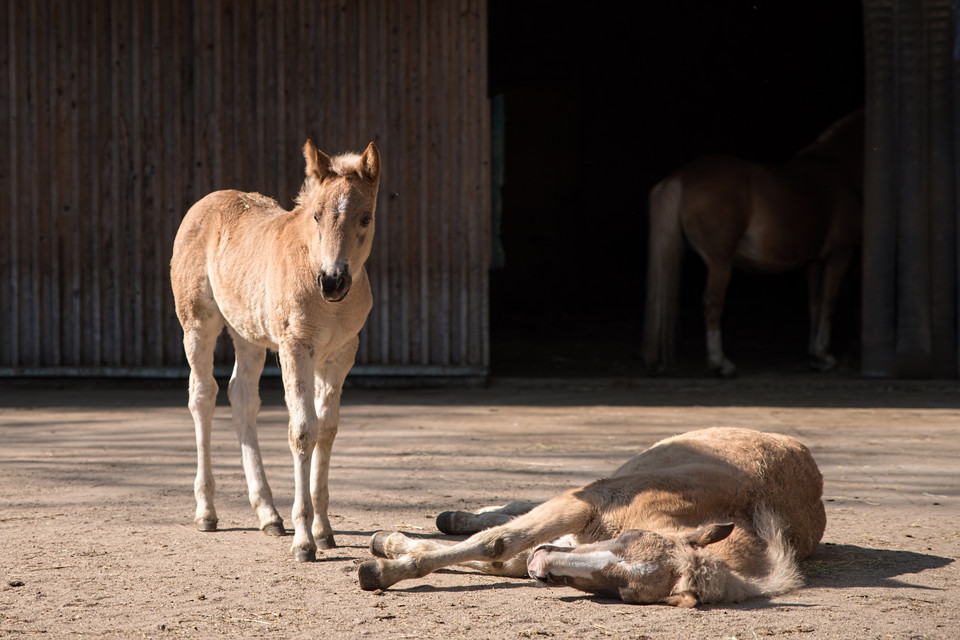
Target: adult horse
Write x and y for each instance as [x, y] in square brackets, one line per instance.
[291, 281]
[767, 218]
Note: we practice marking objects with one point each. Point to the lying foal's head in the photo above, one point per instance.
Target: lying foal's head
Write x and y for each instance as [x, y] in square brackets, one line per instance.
[638, 567]
[341, 194]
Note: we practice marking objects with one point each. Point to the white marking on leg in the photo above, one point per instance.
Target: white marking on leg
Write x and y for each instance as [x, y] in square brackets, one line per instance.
[714, 348]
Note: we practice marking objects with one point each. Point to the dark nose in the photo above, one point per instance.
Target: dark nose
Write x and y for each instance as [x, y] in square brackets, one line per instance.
[334, 286]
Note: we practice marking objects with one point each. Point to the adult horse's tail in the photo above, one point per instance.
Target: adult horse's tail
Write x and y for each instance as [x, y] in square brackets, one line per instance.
[665, 261]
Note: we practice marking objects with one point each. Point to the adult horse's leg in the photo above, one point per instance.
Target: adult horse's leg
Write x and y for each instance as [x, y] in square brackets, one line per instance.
[814, 296]
[297, 366]
[664, 266]
[834, 270]
[244, 396]
[330, 375]
[718, 278]
[199, 341]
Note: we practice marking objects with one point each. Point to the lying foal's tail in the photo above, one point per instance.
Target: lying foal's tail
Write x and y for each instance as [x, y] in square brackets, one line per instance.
[665, 260]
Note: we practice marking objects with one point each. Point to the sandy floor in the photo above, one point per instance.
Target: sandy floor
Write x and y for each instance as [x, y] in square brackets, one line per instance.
[96, 507]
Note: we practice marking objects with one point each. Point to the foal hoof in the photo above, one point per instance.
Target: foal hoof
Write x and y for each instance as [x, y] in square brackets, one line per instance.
[274, 529]
[448, 523]
[378, 544]
[444, 523]
[369, 575]
[301, 554]
[206, 524]
[326, 542]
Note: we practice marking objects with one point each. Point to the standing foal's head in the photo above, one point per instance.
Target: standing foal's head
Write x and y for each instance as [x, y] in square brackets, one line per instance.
[341, 193]
[638, 567]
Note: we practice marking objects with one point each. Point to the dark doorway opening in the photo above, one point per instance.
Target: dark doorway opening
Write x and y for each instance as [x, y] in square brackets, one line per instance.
[598, 105]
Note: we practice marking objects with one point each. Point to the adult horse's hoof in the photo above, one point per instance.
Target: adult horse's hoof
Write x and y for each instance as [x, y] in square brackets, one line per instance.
[823, 364]
[206, 524]
[369, 575]
[727, 370]
[274, 529]
[326, 542]
[301, 554]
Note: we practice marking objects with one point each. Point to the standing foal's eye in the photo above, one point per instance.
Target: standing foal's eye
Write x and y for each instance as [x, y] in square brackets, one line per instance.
[366, 219]
[316, 215]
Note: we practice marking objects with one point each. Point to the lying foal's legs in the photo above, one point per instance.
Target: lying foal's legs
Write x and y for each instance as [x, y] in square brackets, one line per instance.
[395, 545]
[462, 523]
[564, 514]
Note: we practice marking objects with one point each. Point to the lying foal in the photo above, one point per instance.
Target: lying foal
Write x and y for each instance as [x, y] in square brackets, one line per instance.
[715, 515]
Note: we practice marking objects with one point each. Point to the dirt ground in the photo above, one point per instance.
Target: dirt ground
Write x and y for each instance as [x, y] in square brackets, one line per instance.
[96, 507]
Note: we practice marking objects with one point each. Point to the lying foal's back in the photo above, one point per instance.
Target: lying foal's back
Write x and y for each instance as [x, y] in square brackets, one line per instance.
[716, 475]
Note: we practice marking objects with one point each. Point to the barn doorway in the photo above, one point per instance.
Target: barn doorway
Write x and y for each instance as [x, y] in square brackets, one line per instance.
[591, 108]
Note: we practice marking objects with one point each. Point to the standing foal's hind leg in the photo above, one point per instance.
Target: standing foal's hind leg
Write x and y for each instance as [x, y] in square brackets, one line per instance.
[199, 340]
[244, 404]
[718, 278]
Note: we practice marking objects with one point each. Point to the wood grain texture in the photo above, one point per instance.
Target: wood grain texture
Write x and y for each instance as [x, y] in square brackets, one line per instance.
[117, 116]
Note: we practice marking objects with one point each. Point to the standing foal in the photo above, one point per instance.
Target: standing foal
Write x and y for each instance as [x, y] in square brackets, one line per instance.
[291, 281]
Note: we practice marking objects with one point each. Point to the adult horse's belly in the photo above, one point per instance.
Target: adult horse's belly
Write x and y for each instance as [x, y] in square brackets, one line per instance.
[777, 242]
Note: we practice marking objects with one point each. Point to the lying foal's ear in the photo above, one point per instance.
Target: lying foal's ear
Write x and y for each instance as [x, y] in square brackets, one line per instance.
[686, 599]
[709, 534]
[318, 163]
[370, 163]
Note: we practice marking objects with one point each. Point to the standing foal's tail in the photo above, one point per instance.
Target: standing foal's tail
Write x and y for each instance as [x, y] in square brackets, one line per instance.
[665, 261]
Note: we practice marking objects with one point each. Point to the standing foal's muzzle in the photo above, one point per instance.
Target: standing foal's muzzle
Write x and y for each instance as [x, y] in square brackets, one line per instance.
[334, 286]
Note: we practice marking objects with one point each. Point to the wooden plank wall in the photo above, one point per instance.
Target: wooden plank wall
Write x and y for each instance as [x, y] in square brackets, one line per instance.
[911, 265]
[117, 116]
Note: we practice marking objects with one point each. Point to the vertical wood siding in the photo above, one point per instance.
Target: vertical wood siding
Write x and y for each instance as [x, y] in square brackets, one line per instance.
[911, 265]
[117, 116]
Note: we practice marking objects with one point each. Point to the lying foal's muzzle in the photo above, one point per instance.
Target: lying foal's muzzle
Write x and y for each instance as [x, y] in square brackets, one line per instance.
[539, 567]
[334, 286]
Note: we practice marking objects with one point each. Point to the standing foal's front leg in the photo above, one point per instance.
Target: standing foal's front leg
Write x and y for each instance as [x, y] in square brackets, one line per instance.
[329, 385]
[297, 368]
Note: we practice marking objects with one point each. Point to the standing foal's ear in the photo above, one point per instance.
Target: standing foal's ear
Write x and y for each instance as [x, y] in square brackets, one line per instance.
[370, 163]
[318, 163]
[709, 534]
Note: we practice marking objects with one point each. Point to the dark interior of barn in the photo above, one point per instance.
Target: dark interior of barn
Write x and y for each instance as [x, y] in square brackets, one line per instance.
[592, 107]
